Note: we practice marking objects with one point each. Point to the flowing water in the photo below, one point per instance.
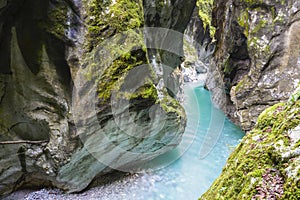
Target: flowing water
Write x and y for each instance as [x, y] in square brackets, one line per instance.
[183, 173]
[190, 175]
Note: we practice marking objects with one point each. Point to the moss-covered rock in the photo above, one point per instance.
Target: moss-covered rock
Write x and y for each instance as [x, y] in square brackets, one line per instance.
[106, 18]
[269, 152]
[45, 48]
[134, 119]
[205, 13]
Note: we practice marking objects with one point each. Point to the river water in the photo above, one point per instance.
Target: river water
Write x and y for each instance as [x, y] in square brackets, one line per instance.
[184, 173]
[190, 175]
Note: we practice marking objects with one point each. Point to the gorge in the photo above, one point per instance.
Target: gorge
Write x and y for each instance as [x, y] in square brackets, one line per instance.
[93, 86]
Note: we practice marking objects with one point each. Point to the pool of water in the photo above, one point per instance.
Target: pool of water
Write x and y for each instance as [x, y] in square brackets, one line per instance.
[187, 171]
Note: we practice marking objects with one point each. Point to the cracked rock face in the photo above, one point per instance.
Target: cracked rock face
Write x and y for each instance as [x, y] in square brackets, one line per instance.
[257, 55]
[45, 137]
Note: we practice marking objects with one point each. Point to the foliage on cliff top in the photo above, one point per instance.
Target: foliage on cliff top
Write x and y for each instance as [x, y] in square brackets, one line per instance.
[270, 146]
[205, 13]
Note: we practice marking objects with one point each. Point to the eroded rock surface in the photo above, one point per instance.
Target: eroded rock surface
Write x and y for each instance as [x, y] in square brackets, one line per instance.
[52, 65]
[257, 56]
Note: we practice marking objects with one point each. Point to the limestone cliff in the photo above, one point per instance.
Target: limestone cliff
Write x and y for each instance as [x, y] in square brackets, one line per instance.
[256, 57]
[78, 94]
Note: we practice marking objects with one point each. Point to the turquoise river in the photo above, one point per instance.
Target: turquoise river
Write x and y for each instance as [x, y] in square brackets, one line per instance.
[184, 173]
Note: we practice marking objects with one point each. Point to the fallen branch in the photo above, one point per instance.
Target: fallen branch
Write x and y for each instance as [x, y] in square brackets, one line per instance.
[24, 141]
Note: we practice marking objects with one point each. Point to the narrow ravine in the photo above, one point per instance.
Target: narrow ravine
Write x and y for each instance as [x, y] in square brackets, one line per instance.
[91, 94]
[185, 178]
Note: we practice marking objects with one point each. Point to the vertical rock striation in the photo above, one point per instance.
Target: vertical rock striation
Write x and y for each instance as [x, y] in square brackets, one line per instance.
[256, 55]
[58, 57]
[35, 92]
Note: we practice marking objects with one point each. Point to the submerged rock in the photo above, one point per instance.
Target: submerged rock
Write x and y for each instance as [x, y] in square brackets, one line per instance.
[79, 101]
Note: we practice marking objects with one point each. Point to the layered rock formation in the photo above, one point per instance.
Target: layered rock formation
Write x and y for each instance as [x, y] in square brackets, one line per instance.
[256, 57]
[78, 96]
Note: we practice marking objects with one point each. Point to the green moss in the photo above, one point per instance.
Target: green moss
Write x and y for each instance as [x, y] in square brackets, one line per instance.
[246, 165]
[242, 173]
[269, 116]
[267, 18]
[170, 105]
[253, 41]
[56, 23]
[253, 2]
[259, 46]
[205, 13]
[126, 15]
[146, 91]
[280, 118]
[261, 24]
[111, 28]
[279, 19]
[105, 19]
[246, 82]
[295, 96]
[243, 21]
[291, 189]
[110, 79]
[239, 86]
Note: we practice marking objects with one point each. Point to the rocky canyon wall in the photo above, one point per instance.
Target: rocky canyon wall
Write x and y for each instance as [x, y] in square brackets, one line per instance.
[256, 58]
[72, 106]
[257, 55]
